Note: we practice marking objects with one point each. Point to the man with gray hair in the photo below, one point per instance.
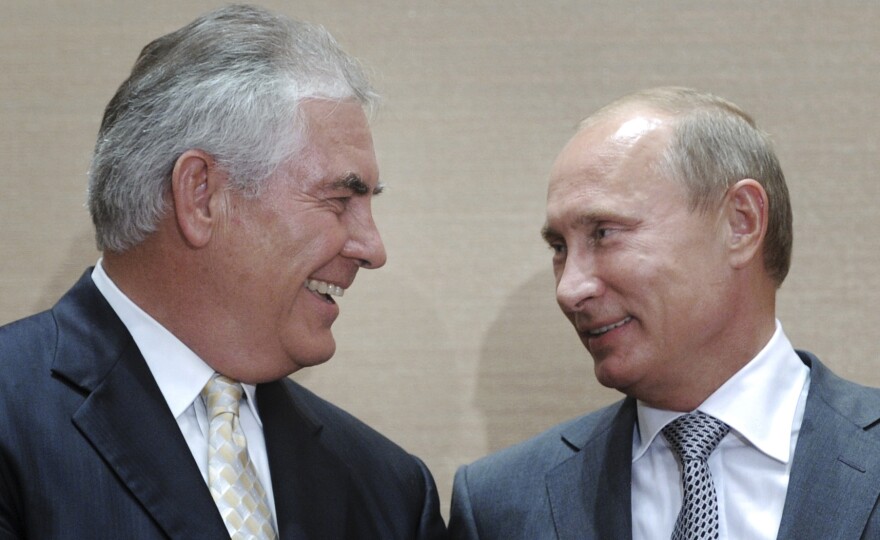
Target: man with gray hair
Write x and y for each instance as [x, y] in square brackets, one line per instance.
[670, 226]
[230, 191]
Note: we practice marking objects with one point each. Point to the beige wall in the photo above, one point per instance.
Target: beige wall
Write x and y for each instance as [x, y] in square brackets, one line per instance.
[456, 347]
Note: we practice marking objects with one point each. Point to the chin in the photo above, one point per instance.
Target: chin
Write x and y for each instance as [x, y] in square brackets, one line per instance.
[611, 374]
[313, 355]
[282, 362]
[311, 361]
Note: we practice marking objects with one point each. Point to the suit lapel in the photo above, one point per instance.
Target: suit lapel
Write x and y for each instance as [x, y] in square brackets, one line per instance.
[126, 419]
[835, 476]
[833, 488]
[590, 491]
[312, 487]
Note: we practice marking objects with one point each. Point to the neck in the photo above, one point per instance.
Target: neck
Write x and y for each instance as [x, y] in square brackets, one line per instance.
[749, 328]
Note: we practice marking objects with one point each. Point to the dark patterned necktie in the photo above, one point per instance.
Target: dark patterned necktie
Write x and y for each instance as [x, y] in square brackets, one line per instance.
[693, 437]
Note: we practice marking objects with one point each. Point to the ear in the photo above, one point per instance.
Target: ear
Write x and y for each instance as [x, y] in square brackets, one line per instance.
[197, 187]
[747, 211]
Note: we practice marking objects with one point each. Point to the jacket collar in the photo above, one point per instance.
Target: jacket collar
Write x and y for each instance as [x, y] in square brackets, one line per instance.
[837, 459]
[590, 491]
[835, 476]
[125, 418]
[313, 488]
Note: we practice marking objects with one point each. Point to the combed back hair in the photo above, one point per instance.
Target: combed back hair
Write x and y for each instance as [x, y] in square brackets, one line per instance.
[230, 84]
[713, 145]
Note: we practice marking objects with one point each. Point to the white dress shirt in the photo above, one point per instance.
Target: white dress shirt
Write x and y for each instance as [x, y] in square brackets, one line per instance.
[181, 375]
[763, 404]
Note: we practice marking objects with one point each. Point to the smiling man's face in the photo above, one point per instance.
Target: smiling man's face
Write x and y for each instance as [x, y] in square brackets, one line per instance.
[288, 253]
[640, 275]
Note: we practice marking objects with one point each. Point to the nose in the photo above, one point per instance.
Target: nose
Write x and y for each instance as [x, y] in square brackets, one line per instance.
[365, 244]
[577, 281]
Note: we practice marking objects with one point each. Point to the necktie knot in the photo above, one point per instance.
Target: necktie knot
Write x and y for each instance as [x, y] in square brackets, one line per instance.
[221, 395]
[695, 435]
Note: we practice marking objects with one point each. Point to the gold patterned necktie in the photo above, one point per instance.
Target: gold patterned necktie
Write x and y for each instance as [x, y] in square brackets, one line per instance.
[233, 481]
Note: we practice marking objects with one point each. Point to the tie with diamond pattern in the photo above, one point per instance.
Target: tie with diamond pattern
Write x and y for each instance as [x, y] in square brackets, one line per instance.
[693, 437]
[232, 478]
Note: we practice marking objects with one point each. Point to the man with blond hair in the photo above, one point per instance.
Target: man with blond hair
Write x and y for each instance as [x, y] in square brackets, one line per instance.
[670, 226]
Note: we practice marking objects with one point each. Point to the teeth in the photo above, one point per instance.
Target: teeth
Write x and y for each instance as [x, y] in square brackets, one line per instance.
[323, 287]
[600, 331]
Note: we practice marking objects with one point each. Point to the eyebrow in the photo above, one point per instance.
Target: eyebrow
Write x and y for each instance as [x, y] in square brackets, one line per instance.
[549, 234]
[356, 184]
[583, 220]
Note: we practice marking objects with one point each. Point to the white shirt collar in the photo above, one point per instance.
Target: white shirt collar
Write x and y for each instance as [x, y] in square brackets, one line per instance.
[759, 402]
[179, 372]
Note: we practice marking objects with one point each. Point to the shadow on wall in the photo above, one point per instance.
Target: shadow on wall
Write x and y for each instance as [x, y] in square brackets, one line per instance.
[405, 384]
[534, 372]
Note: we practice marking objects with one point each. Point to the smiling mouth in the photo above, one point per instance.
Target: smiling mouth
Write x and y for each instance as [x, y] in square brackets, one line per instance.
[605, 329]
[327, 290]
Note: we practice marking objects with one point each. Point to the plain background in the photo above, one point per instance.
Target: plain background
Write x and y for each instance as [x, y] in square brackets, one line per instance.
[456, 348]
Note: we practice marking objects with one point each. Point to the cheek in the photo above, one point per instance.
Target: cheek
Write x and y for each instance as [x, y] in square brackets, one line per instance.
[314, 247]
[636, 271]
[557, 274]
[331, 236]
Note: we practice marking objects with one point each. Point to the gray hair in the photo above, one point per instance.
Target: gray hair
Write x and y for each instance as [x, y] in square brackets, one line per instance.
[229, 83]
[713, 145]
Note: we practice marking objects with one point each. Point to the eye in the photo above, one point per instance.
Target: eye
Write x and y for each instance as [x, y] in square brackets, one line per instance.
[602, 232]
[557, 248]
[339, 203]
[560, 252]
[554, 241]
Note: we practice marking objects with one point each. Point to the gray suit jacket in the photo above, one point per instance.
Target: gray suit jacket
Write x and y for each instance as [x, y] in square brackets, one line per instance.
[573, 481]
[90, 449]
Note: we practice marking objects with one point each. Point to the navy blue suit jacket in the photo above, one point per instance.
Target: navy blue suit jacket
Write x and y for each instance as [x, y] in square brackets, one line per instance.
[90, 449]
[573, 482]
